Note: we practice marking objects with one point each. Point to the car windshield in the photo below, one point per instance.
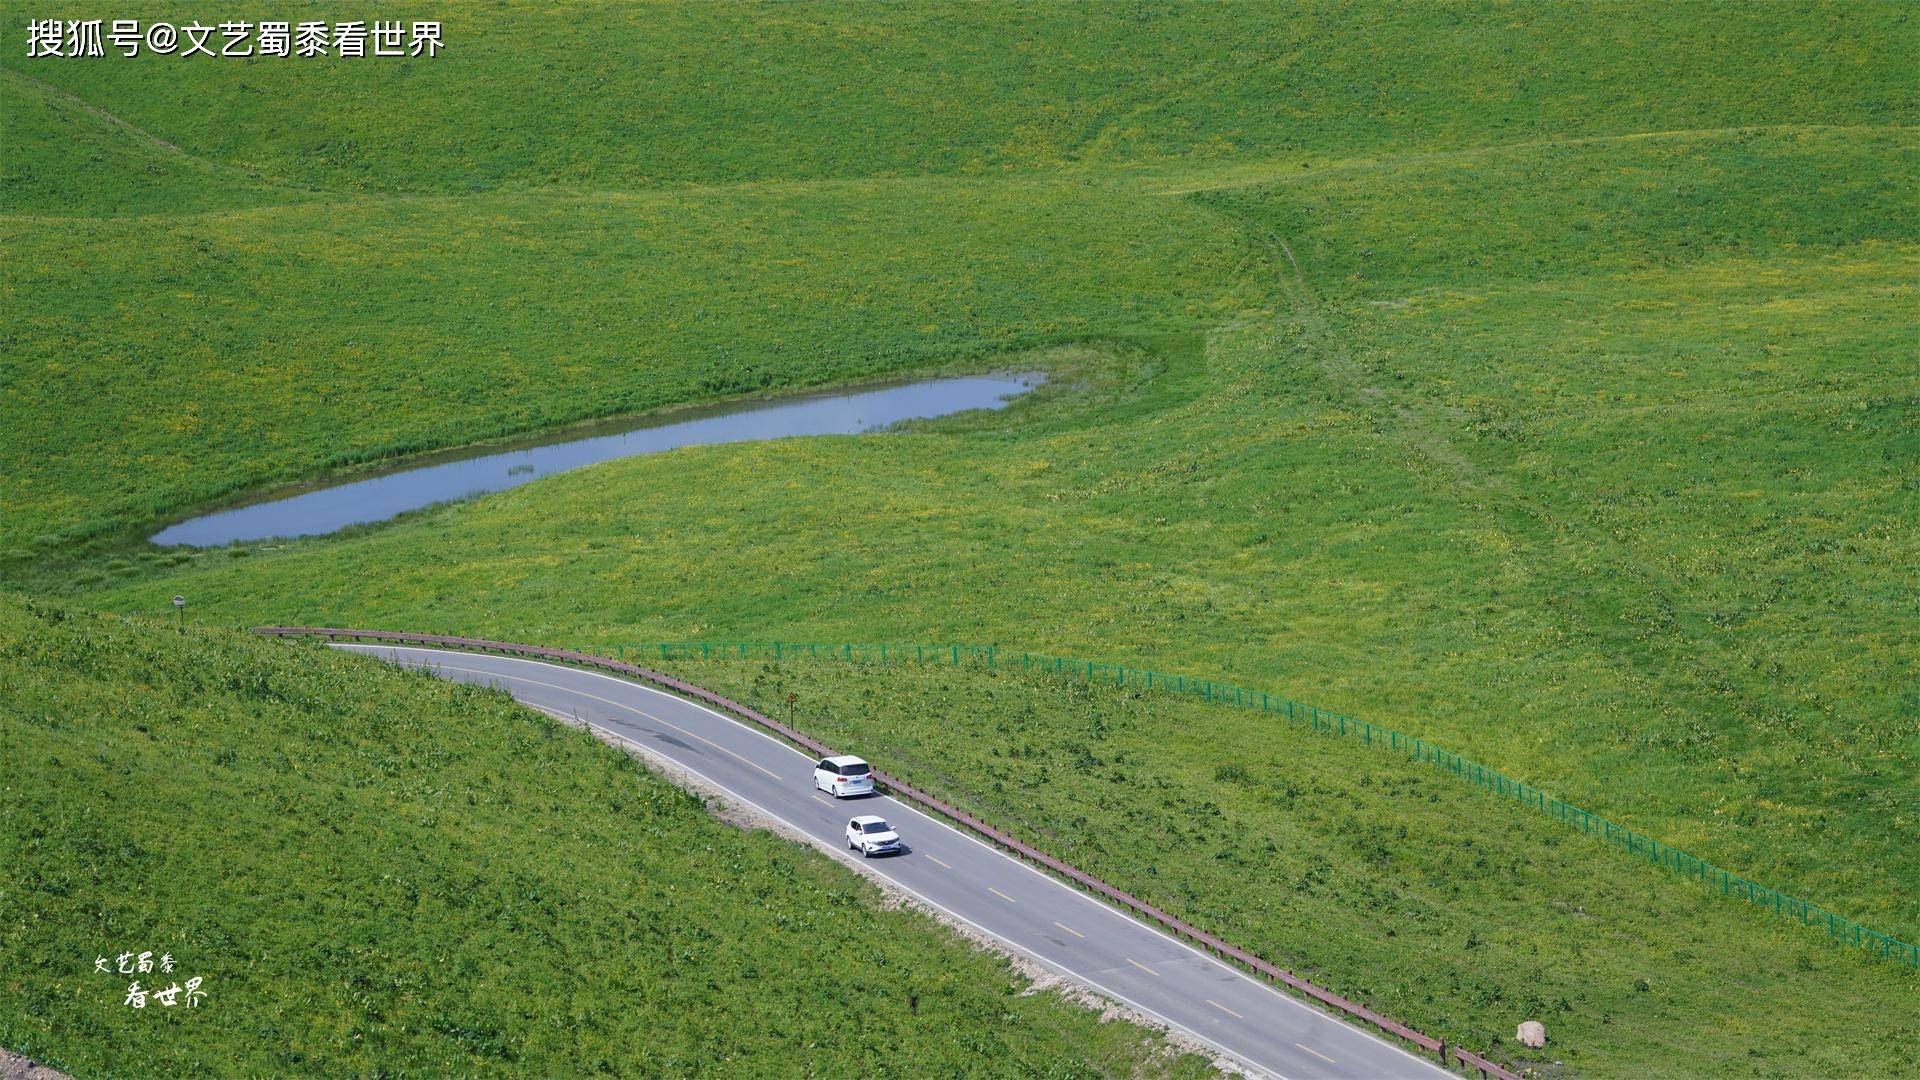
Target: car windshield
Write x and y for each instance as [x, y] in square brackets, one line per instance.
[875, 826]
[856, 769]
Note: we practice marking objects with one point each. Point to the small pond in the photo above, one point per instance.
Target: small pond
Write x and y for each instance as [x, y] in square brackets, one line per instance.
[358, 502]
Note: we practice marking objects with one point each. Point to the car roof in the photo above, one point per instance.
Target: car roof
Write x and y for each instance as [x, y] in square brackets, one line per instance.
[847, 759]
[869, 819]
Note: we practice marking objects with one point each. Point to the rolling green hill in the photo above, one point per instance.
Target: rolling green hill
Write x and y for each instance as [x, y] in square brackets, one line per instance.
[233, 274]
[1583, 525]
[376, 872]
[1541, 381]
[582, 96]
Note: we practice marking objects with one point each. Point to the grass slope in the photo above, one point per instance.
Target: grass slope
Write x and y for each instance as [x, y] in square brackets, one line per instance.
[223, 288]
[1392, 883]
[702, 94]
[379, 873]
[1540, 381]
[226, 350]
[1588, 515]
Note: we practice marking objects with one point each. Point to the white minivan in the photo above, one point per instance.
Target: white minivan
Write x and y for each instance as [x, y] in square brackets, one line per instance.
[843, 776]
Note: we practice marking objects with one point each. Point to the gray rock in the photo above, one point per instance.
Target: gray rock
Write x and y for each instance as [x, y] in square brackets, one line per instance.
[15, 1067]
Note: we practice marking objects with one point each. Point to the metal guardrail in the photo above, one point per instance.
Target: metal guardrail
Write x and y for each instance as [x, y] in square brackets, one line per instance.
[1839, 928]
[1448, 1055]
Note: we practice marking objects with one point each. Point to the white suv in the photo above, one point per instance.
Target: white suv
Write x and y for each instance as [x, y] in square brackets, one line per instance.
[870, 836]
[843, 776]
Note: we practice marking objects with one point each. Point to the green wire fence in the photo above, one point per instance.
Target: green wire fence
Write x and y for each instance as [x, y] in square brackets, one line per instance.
[1838, 927]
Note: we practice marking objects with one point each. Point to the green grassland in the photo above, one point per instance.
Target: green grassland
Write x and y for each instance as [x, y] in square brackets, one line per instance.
[1586, 529]
[1351, 866]
[378, 873]
[1538, 381]
[228, 275]
[431, 322]
[581, 96]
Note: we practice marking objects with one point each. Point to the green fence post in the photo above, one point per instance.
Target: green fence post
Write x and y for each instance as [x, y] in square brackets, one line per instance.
[956, 656]
[989, 658]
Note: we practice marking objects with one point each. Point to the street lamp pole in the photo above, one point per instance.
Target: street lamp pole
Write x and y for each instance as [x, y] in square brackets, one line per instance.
[180, 605]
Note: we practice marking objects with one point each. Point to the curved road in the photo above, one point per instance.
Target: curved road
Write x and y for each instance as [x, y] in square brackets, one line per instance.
[1247, 1021]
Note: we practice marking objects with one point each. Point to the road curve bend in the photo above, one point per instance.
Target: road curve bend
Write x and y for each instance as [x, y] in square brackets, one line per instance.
[1247, 1022]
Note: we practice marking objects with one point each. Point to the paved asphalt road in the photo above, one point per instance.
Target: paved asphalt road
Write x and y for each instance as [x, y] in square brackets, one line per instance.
[1083, 939]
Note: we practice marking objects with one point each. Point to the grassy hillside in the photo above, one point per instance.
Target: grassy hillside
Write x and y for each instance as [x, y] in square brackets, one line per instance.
[1395, 884]
[1539, 381]
[235, 274]
[379, 873]
[1587, 515]
[224, 350]
[703, 94]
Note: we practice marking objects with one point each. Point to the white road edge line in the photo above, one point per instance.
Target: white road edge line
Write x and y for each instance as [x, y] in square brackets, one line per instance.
[1009, 943]
[1425, 1064]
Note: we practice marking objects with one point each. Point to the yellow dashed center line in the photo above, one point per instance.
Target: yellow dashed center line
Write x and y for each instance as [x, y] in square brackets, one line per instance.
[1069, 929]
[936, 859]
[1002, 895]
[1143, 967]
[1224, 1009]
[1317, 1054]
